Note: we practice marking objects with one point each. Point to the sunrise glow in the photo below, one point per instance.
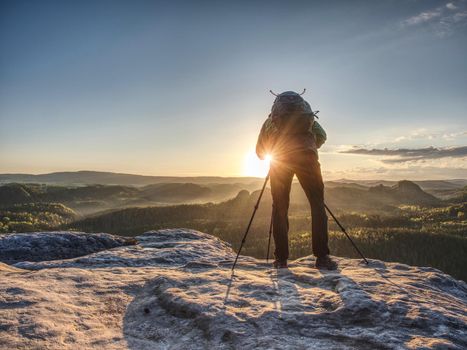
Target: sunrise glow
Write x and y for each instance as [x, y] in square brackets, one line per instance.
[253, 166]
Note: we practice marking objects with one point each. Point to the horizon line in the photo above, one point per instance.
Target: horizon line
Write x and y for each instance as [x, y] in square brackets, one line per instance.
[211, 176]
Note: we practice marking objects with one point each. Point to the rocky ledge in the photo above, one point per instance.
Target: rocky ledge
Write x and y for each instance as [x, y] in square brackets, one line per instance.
[40, 246]
[174, 290]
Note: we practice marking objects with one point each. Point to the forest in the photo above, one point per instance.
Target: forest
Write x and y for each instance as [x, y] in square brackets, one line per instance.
[400, 223]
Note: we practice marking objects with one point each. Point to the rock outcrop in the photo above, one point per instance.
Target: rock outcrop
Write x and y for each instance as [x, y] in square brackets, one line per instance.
[41, 246]
[174, 290]
[406, 192]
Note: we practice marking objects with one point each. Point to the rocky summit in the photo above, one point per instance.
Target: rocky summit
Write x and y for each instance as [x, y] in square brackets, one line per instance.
[174, 289]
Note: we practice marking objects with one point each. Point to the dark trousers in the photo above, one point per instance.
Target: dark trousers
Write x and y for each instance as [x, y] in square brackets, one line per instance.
[307, 168]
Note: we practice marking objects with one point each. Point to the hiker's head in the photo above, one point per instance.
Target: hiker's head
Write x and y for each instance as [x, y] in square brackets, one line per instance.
[289, 102]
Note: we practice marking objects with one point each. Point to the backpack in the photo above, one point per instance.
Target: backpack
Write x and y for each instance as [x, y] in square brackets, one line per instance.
[292, 115]
[290, 103]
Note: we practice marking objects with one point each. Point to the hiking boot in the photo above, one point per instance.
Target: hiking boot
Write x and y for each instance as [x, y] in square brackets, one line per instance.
[280, 264]
[325, 262]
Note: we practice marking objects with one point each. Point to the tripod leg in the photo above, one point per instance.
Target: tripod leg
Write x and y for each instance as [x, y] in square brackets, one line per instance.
[270, 234]
[343, 230]
[251, 220]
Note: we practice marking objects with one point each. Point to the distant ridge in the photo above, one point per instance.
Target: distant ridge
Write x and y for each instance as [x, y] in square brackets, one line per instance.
[445, 184]
[406, 192]
[87, 177]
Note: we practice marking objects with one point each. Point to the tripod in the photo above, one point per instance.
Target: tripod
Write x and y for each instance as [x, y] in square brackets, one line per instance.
[251, 220]
[345, 232]
[270, 234]
[270, 228]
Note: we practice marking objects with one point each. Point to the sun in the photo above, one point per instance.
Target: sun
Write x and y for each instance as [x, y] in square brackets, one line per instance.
[253, 166]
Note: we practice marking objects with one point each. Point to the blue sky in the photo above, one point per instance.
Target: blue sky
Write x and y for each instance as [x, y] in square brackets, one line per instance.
[181, 88]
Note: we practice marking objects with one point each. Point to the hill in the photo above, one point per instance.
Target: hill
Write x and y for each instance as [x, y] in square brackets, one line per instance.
[444, 189]
[354, 197]
[90, 199]
[86, 177]
[30, 217]
[368, 200]
[174, 289]
[405, 192]
[417, 235]
[439, 188]
[93, 198]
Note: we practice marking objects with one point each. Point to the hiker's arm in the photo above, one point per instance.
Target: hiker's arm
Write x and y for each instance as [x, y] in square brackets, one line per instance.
[262, 146]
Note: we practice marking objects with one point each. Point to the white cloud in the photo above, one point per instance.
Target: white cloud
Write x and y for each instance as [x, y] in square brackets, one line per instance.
[424, 134]
[443, 20]
[409, 172]
[451, 6]
[422, 17]
[454, 135]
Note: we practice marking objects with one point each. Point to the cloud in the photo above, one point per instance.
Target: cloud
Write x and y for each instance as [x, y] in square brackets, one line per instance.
[392, 173]
[459, 16]
[402, 155]
[422, 17]
[443, 20]
[454, 135]
[424, 134]
[417, 134]
[451, 6]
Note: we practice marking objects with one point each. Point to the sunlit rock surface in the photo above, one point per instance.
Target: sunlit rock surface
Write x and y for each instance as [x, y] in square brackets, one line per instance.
[173, 290]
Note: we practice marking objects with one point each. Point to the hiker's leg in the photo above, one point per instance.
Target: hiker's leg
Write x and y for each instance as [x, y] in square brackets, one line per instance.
[281, 181]
[309, 175]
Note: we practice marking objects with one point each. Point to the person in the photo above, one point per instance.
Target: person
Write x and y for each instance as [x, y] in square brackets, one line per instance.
[291, 136]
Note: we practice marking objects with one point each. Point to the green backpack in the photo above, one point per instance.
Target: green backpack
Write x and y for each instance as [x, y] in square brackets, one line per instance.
[319, 134]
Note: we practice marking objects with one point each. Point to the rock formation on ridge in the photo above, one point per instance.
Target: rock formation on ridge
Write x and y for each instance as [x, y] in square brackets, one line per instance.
[173, 290]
